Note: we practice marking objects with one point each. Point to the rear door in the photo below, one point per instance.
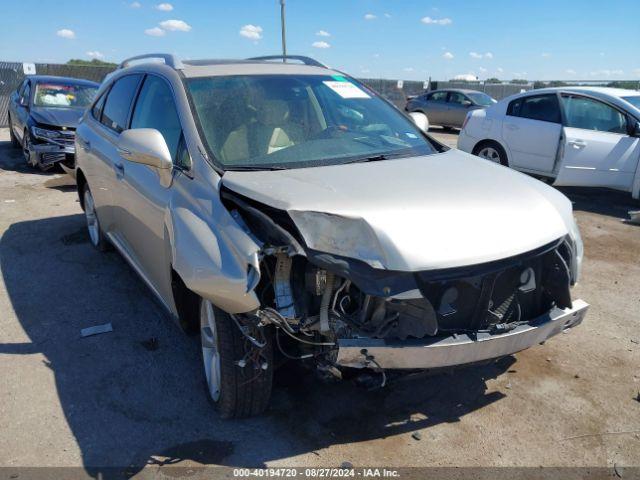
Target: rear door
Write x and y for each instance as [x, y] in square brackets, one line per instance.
[97, 142]
[597, 149]
[531, 129]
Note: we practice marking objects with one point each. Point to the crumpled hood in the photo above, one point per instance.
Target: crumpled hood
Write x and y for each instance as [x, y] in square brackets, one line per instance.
[61, 117]
[438, 211]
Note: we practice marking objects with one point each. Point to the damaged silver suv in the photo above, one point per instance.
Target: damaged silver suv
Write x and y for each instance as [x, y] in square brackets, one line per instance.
[285, 210]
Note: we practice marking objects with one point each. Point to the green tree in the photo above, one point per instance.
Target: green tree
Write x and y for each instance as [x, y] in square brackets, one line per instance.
[91, 63]
[492, 80]
[519, 81]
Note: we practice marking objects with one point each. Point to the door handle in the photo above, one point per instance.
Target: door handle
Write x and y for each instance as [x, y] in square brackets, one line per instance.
[577, 143]
[119, 168]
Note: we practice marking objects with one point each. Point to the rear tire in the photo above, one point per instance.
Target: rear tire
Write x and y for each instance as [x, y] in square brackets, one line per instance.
[492, 151]
[235, 391]
[14, 140]
[96, 236]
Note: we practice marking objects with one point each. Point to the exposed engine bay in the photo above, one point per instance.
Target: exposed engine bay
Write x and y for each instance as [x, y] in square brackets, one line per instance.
[315, 299]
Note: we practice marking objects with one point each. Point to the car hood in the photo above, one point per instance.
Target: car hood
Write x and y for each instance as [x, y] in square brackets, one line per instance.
[60, 117]
[430, 212]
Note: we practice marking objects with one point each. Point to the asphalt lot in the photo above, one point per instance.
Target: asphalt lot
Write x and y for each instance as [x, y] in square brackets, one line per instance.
[115, 400]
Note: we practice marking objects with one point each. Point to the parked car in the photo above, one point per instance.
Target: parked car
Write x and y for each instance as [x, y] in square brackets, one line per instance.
[573, 136]
[448, 108]
[288, 210]
[43, 114]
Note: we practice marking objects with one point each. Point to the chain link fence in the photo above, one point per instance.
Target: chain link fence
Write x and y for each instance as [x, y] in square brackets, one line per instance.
[12, 74]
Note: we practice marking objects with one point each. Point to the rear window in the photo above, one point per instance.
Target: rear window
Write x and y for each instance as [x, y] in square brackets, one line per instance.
[540, 107]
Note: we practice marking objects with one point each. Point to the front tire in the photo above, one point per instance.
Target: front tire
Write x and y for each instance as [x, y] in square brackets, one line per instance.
[14, 140]
[237, 383]
[96, 236]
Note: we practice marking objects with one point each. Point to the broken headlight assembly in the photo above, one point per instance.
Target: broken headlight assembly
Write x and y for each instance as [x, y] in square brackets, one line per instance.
[44, 134]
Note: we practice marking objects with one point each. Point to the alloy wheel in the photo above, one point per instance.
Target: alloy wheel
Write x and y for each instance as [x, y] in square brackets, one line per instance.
[490, 153]
[210, 350]
[93, 226]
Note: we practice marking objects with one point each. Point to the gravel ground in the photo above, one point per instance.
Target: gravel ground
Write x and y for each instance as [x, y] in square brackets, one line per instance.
[114, 399]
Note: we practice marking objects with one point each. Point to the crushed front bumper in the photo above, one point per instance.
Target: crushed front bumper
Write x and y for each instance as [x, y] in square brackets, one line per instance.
[457, 349]
[49, 153]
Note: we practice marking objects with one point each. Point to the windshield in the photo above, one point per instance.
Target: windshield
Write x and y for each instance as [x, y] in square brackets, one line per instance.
[293, 121]
[63, 95]
[635, 100]
[480, 98]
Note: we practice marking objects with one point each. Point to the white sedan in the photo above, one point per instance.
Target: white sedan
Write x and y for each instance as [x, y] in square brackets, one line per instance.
[577, 136]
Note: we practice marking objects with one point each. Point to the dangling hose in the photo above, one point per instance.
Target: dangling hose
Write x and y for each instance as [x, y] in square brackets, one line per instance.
[324, 304]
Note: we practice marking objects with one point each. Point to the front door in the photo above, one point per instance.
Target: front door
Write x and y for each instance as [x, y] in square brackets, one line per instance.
[145, 198]
[597, 150]
[531, 130]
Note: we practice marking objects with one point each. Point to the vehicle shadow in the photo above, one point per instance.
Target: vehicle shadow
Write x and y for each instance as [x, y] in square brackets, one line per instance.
[130, 402]
[602, 201]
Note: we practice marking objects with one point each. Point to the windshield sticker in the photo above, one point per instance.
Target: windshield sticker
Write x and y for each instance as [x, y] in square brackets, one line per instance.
[346, 89]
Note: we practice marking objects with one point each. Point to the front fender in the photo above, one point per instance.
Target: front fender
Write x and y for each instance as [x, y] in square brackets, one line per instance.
[213, 255]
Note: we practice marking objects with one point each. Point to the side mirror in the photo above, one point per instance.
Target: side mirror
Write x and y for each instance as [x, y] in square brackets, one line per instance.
[421, 120]
[146, 146]
[466, 103]
[23, 102]
[636, 130]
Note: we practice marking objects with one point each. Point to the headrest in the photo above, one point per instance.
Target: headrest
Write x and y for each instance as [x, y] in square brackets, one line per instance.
[273, 112]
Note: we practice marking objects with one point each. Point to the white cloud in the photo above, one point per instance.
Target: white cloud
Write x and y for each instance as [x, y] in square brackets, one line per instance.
[370, 16]
[447, 55]
[376, 55]
[323, 33]
[607, 73]
[500, 70]
[468, 77]
[570, 72]
[175, 25]
[95, 54]
[477, 55]
[387, 15]
[66, 33]
[408, 69]
[155, 32]
[482, 70]
[436, 21]
[636, 72]
[135, 5]
[164, 7]
[253, 32]
[365, 70]
[320, 45]
[546, 55]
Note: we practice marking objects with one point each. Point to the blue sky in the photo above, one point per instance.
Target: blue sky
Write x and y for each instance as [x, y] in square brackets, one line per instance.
[410, 39]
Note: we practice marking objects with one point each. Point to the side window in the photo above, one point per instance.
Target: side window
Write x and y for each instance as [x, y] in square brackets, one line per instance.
[457, 98]
[183, 158]
[98, 106]
[155, 108]
[589, 114]
[539, 107]
[438, 97]
[118, 103]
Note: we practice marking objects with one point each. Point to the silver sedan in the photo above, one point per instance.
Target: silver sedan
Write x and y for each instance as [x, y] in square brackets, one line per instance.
[448, 108]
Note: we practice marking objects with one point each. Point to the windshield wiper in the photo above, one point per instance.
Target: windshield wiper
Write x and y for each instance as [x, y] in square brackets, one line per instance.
[379, 157]
[253, 168]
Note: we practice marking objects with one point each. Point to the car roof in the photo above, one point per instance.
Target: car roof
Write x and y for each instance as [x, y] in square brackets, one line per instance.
[56, 79]
[607, 94]
[208, 68]
[459, 90]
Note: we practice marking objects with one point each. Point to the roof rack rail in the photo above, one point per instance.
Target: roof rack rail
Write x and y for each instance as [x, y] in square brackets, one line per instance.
[284, 58]
[169, 59]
